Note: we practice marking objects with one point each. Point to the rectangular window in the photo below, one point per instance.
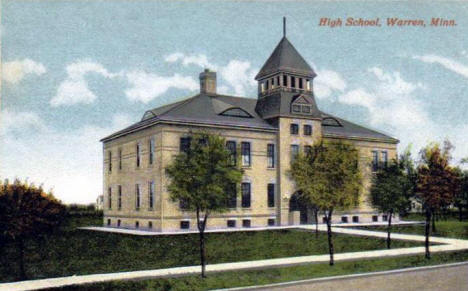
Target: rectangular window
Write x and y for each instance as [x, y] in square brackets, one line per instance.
[307, 84]
[344, 219]
[278, 81]
[271, 222]
[120, 197]
[273, 83]
[231, 223]
[231, 147]
[296, 108]
[232, 196]
[384, 218]
[267, 84]
[185, 144]
[246, 223]
[355, 219]
[151, 151]
[138, 154]
[294, 128]
[184, 224]
[271, 195]
[307, 149]
[300, 83]
[109, 194]
[375, 218]
[384, 159]
[246, 159]
[324, 219]
[150, 224]
[375, 160]
[120, 159]
[245, 187]
[183, 205]
[108, 222]
[307, 129]
[110, 161]
[119, 223]
[137, 224]
[305, 108]
[271, 155]
[137, 196]
[151, 195]
[294, 151]
[293, 82]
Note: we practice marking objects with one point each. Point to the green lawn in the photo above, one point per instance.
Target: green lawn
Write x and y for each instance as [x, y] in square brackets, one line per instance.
[276, 275]
[73, 251]
[445, 228]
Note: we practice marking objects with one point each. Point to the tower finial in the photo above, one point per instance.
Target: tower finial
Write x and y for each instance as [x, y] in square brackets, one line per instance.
[284, 26]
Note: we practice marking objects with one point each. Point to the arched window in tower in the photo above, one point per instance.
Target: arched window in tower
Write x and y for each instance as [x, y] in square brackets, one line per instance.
[308, 85]
[293, 82]
[273, 83]
[300, 84]
[285, 81]
[278, 81]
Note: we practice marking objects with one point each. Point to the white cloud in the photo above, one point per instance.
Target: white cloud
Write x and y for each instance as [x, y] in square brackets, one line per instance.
[147, 86]
[237, 77]
[447, 63]
[74, 89]
[15, 71]
[327, 82]
[69, 162]
[13, 122]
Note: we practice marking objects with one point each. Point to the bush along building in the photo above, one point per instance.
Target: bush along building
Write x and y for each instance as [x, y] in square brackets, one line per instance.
[266, 132]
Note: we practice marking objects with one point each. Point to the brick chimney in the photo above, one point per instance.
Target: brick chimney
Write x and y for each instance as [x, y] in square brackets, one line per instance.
[208, 82]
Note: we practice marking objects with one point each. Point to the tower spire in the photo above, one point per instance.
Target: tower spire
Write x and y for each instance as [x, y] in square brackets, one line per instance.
[284, 26]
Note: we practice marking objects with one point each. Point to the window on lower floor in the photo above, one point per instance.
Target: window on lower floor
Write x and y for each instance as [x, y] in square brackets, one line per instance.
[294, 151]
[108, 222]
[231, 223]
[355, 219]
[109, 195]
[137, 224]
[118, 223]
[184, 224]
[271, 195]
[384, 218]
[245, 188]
[271, 222]
[246, 223]
[150, 195]
[344, 219]
[119, 198]
[185, 144]
[307, 129]
[232, 196]
[375, 218]
[324, 219]
[137, 196]
[150, 224]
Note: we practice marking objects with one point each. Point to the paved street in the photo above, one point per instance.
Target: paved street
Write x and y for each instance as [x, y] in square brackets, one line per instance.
[454, 278]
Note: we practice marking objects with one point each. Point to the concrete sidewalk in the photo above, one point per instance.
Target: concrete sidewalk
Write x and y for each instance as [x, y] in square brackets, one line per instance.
[447, 244]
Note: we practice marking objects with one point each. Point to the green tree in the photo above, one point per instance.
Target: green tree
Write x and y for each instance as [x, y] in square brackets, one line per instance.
[328, 177]
[202, 179]
[27, 212]
[461, 195]
[391, 191]
[436, 183]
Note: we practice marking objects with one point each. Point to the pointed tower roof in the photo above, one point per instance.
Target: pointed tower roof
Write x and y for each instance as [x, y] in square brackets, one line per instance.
[285, 58]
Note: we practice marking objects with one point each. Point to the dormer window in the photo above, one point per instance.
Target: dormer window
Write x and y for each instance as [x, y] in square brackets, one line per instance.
[330, 121]
[301, 105]
[236, 112]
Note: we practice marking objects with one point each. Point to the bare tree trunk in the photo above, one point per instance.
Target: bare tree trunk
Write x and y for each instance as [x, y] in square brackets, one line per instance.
[22, 272]
[433, 222]
[389, 228]
[316, 222]
[428, 233]
[330, 239]
[201, 230]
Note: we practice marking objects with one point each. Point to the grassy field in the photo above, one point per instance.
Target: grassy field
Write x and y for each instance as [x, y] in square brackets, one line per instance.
[268, 276]
[77, 252]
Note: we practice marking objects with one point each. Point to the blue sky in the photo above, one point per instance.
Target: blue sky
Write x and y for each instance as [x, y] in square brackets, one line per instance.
[75, 71]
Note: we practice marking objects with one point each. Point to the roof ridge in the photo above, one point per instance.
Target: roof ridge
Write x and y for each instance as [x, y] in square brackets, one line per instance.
[181, 102]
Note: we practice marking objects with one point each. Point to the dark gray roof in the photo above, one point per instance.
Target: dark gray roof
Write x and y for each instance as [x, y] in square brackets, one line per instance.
[285, 58]
[351, 130]
[279, 104]
[205, 109]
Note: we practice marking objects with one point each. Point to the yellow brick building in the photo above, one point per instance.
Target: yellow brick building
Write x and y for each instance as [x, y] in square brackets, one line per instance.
[269, 131]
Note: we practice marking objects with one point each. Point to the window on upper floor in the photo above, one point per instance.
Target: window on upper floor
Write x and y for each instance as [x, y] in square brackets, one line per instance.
[232, 148]
[270, 155]
[119, 201]
[232, 196]
[246, 157]
[110, 161]
[109, 197]
[294, 128]
[375, 161]
[137, 197]
[384, 155]
[151, 195]
[151, 151]
[138, 154]
[185, 144]
[307, 129]
[120, 159]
